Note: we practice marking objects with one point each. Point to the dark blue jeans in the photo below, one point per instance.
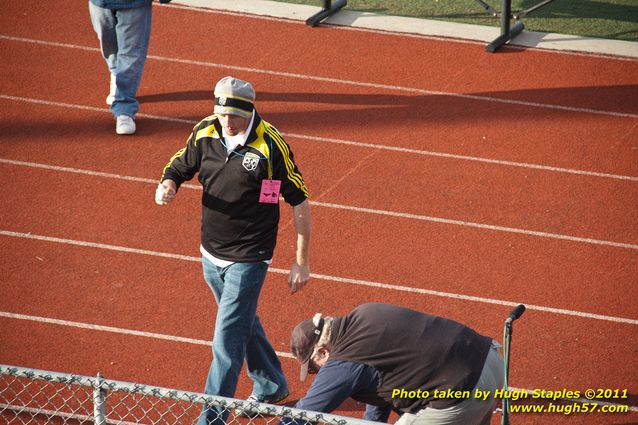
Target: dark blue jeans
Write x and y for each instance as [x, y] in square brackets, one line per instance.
[239, 335]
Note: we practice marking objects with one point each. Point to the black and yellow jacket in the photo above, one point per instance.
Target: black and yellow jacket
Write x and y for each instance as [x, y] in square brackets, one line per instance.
[235, 225]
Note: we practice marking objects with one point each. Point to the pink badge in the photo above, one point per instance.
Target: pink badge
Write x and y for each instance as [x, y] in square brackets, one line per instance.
[269, 191]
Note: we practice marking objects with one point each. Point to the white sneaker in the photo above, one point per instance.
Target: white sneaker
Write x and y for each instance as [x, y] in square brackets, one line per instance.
[113, 86]
[249, 408]
[125, 125]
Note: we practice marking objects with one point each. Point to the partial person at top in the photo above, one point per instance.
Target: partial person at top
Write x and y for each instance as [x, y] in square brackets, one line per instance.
[123, 28]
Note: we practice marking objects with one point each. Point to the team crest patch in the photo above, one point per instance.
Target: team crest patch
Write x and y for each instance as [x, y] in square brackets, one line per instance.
[250, 161]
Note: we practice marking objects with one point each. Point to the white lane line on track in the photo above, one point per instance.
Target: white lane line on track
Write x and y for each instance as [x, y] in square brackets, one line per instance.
[478, 225]
[337, 279]
[462, 157]
[112, 329]
[89, 108]
[306, 77]
[393, 214]
[350, 143]
[184, 340]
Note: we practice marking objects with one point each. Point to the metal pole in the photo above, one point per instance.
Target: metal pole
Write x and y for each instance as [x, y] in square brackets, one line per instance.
[506, 33]
[507, 341]
[523, 13]
[505, 16]
[99, 402]
[489, 9]
[505, 419]
[327, 10]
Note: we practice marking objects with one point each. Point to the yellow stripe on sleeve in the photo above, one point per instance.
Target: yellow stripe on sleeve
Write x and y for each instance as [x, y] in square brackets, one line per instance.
[293, 176]
[173, 158]
[208, 131]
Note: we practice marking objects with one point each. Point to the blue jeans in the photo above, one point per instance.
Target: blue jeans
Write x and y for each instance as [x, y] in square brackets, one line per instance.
[239, 335]
[124, 37]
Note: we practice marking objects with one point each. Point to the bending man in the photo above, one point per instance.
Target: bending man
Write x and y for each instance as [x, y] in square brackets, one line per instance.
[426, 368]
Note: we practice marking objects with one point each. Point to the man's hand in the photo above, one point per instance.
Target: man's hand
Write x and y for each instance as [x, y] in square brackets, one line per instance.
[165, 192]
[298, 277]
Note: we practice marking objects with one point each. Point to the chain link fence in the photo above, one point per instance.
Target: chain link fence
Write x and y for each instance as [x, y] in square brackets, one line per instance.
[30, 396]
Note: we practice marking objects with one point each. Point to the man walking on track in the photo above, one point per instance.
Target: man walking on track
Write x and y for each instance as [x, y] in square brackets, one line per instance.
[124, 30]
[243, 164]
[430, 370]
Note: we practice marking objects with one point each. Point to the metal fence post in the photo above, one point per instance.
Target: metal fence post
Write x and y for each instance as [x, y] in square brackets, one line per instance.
[99, 402]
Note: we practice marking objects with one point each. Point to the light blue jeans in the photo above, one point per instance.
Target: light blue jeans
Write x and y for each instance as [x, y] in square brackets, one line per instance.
[239, 335]
[124, 36]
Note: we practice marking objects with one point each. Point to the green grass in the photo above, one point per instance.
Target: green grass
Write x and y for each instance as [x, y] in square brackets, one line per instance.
[615, 19]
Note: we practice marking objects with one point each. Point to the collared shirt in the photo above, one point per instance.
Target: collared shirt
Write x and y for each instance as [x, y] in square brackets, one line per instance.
[231, 144]
[235, 225]
[240, 139]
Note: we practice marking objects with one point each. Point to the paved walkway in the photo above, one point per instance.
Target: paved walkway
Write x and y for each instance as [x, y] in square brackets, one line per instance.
[424, 27]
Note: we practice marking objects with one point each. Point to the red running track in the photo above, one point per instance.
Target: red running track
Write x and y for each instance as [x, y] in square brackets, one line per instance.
[442, 178]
